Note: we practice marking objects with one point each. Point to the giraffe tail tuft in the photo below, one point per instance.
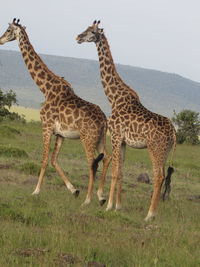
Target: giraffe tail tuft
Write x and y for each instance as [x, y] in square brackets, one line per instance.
[95, 163]
[167, 186]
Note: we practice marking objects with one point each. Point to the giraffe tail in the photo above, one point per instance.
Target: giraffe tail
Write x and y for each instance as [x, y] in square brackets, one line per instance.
[95, 163]
[170, 170]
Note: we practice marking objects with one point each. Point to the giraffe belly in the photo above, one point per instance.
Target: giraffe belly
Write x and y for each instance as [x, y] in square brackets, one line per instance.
[136, 143]
[67, 133]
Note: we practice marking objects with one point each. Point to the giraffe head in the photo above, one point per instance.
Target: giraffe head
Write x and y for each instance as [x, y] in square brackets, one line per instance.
[12, 33]
[91, 34]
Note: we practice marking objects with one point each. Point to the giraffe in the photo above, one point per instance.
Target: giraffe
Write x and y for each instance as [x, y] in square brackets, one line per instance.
[64, 115]
[131, 124]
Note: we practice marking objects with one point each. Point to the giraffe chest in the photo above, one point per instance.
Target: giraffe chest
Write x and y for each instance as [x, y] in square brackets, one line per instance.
[66, 132]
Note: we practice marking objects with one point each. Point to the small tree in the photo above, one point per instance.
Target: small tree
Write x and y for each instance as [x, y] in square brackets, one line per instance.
[6, 101]
[188, 124]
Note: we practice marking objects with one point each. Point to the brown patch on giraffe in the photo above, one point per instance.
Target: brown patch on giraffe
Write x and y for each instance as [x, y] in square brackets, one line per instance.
[31, 58]
[101, 65]
[113, 89]
[47, 107]
[24, 54]
[63, 118]
[48, 85]
[48, 77]
[107, 62]
[39, 83]
[29, 66]
[107, 78]
[103, 83]
[67, 111]
[62, 108]
[48, 114]
[32, 74]
[37, 66]
[51, 96]
[109, 70]
[41, 74]
[76, 114]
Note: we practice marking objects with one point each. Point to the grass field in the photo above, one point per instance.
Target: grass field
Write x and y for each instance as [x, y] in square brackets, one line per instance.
[52, 229]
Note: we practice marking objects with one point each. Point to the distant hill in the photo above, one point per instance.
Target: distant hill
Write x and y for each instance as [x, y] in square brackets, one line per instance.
[161, 92]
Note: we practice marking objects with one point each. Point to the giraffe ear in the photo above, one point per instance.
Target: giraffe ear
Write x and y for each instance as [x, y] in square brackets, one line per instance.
[101, 30]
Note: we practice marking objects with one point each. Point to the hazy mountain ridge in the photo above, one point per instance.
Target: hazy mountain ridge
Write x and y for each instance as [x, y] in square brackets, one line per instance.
[161, 92]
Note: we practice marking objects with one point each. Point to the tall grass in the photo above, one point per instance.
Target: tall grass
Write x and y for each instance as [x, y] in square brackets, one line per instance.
[52, 229]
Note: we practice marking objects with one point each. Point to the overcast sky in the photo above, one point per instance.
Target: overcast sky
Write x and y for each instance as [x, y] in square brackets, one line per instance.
[155, 34]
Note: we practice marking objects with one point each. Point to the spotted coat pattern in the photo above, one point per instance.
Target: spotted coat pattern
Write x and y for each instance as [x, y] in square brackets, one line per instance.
[130, 122]
[63, 114]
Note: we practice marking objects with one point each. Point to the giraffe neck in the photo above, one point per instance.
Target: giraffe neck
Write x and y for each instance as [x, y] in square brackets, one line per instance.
[36, 67]
[114, 86]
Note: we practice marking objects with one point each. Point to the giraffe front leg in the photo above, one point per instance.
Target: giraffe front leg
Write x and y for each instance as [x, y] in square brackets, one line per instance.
[46, 145]
[58, 144]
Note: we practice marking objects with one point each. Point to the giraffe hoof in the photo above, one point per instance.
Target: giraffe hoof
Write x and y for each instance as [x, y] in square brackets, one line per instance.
[109, 208]
[102, 201]
[76, 193]
[150, 216]
[36, 192]
[84, 204]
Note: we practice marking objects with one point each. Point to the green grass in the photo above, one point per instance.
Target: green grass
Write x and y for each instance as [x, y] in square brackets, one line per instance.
[52, 229]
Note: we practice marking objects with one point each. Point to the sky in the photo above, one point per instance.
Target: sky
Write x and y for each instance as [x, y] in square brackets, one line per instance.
[155, 34]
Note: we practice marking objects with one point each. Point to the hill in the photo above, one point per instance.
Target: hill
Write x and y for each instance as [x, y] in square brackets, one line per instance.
[161, 92]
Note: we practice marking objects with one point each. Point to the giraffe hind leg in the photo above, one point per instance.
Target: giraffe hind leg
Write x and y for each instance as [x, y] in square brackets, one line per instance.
[158, 172]
[58, 143]
[101, 148]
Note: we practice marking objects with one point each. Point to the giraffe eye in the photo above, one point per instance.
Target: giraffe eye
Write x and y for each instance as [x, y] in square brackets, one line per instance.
[93, 32]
